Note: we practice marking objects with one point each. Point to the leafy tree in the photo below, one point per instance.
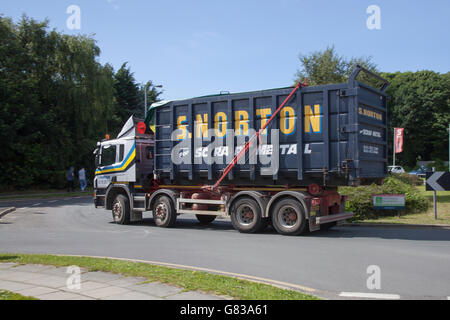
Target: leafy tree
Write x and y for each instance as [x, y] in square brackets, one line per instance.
[130, 95]
[127, 93]
[326, 67]
[152, 94]
[56, 102]
[420, 103]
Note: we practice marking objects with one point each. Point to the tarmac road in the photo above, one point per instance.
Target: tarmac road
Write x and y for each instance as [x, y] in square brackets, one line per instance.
[414, 263]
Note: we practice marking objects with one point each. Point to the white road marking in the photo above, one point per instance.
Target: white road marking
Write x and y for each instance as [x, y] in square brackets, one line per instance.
[52, 201]
[36, 204]
[369, 295]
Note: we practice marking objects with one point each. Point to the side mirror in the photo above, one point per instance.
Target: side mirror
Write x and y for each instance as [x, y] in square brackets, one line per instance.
[97, 160]
[97, 157]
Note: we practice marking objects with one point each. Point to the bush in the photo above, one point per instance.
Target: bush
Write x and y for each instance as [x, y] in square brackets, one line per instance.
[360, 198]
[407, 178]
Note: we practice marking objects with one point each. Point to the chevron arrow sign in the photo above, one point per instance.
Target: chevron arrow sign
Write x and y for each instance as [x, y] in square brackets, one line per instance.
[438, 181]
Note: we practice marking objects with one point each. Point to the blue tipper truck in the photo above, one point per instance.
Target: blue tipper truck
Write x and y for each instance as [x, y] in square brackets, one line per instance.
[264, 157]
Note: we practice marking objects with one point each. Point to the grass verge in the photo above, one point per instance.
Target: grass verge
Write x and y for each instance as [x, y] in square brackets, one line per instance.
[427, 217]
[186, 279]
[7, 295]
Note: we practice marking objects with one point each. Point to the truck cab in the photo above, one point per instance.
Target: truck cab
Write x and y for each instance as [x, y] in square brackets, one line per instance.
[124, 168]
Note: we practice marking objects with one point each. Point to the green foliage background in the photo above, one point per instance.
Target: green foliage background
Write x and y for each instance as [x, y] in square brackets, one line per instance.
[360, 199]
[56, 102]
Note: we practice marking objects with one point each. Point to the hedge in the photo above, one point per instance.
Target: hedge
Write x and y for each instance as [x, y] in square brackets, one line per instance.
[360, 198]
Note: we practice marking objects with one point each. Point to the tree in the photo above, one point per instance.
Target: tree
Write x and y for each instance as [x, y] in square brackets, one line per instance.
[57, 101]
[128, 95]
[420, 103]
[152, 94]
[326, 67]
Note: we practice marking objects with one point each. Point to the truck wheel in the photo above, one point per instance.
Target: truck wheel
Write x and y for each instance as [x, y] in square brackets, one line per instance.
[288, 217]
[164, 213]
[121, 210]
[205, 219]
[246, 216]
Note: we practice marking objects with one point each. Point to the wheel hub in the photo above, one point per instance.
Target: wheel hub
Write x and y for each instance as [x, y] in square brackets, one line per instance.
[117, 210]
[246, 215]
[161, 211]
[288, 217]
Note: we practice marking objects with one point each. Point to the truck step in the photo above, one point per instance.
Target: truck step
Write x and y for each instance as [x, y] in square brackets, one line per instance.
[334, 217]
[200, 201]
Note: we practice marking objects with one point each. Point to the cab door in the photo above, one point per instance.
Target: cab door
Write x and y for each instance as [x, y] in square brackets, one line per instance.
[144, 164]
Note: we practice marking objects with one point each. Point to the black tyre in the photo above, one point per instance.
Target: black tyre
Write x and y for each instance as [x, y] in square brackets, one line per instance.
[121, 210]
[288, 217]
[164, 213]
[205, 219]
[246, 216]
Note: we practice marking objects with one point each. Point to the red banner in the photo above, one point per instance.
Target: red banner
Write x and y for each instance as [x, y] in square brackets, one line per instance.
[398, 143]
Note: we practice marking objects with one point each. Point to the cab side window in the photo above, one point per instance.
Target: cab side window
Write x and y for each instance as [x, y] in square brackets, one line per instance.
[108, 155]
[121, 152]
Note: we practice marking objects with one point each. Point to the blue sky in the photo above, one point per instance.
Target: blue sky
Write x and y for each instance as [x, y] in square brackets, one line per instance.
[196, 47]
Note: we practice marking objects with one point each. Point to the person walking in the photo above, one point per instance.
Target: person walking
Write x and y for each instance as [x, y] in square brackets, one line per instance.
[82, 178]
[70, 178]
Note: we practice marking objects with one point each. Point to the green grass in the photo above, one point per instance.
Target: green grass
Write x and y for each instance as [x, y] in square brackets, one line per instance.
[186, 279]
[443, 211]
[7, 295]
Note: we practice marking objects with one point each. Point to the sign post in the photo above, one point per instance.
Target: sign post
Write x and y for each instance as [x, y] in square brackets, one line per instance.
[435, 205]
[437, 181]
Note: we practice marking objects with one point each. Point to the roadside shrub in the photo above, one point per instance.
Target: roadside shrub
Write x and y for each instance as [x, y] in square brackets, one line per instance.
[407, 178]
[360, 198]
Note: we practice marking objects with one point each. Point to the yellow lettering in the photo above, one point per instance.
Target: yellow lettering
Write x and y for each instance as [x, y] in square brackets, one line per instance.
[220, 124]
[264, 114]
[241, 121]
[370, 113]
[201, 127]
[287, 120]
[313, 119]
[181, 122]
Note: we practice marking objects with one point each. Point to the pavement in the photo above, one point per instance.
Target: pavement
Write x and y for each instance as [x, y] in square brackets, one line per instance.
[414, 263]
[51, 283]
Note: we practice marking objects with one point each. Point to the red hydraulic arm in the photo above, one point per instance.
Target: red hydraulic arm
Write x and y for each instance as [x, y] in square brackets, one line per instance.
[257, 135]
